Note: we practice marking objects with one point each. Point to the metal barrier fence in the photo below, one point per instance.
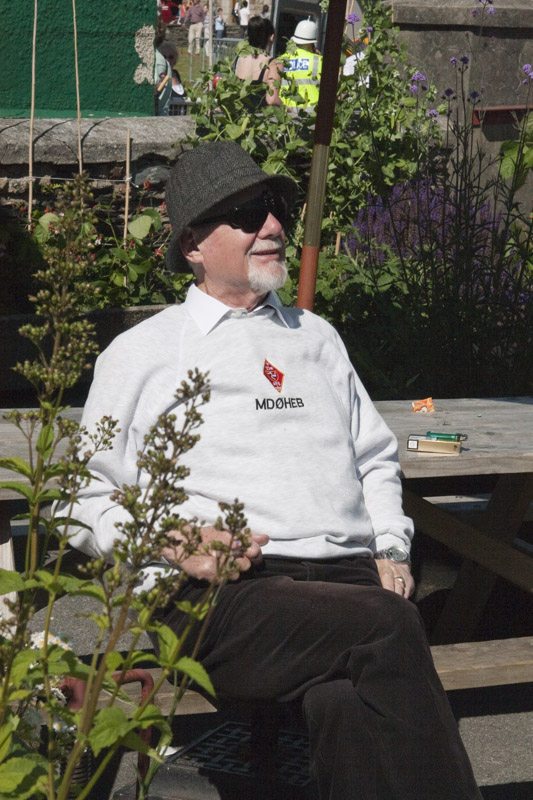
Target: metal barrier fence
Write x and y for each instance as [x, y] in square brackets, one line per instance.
[222, 48]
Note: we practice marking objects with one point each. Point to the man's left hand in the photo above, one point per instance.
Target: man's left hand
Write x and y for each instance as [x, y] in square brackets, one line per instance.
[395, 576]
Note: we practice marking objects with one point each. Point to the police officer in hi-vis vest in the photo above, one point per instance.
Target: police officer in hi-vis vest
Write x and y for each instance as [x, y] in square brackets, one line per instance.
[302, 62]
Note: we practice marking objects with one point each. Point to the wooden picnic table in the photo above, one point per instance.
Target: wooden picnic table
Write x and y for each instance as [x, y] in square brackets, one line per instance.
[497, 453]
[499, 447]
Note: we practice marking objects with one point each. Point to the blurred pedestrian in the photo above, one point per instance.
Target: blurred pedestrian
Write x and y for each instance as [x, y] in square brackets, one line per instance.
[220, 25]
[194, 18]
[258, 65]
[166, 56]
[244, 16]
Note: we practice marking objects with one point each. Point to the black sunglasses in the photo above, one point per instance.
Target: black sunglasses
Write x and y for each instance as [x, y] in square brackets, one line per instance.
[251, 215]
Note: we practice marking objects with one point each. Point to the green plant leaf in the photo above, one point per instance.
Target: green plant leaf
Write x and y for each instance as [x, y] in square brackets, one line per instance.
[134, 742]
[89, 589]
[49, 495]
[23, 775]
[6, 737]
[110, 726]
[168, 645]
[45, 440]
[196, 672]
[139, 227]
[16, 465]
[21, 666]
[233, 131]
[113, 661]
[151, 715]
[155, 217]
[10, 581]
[20, 488]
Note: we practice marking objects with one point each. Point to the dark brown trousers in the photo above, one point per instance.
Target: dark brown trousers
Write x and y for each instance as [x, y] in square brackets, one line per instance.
[379, 721]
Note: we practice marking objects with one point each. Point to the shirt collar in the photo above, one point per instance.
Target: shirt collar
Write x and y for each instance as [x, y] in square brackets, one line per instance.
[207, 311]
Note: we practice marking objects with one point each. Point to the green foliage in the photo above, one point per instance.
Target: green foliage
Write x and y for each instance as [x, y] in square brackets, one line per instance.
[120, 269]
[516, 156]
[432, 291]
[378, 132]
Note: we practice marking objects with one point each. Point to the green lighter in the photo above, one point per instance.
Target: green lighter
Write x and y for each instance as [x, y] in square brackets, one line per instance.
[446, 437]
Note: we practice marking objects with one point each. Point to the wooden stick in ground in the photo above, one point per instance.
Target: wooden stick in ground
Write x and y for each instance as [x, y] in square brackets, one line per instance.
[128, 184]
[338, 243]
[32, 114]
[78, 105]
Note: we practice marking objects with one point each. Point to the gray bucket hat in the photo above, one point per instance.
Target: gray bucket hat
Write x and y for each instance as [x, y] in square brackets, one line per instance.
[204, 178]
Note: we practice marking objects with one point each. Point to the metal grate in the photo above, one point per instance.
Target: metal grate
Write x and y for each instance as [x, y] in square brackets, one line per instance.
[227, 749]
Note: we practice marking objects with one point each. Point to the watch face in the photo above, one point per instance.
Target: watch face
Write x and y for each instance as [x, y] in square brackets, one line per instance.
[397, 554]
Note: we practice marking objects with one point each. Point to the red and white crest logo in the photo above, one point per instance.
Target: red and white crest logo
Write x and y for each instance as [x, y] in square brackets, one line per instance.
[273, 375]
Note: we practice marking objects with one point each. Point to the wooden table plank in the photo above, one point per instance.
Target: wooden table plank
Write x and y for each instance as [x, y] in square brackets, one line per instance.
[473, 664]
[469, 542]
[500, 435]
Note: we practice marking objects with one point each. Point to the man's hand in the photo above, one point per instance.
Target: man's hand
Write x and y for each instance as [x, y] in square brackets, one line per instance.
[395, 577]
[206, 566]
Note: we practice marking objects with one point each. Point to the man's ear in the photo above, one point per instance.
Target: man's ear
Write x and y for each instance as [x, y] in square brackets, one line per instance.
[189, 246]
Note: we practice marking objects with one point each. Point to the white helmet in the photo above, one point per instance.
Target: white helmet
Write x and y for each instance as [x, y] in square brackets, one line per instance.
[305, 32]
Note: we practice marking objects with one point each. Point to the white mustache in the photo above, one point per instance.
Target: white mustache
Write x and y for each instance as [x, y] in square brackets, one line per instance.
[266, 245]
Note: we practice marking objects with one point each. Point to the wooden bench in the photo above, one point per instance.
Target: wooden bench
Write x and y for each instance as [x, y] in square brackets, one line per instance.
[469, 665]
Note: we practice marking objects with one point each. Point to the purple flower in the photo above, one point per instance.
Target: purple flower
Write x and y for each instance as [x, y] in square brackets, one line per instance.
[527, 68]
[369, 29]
[490, 11]
[464, 59]
[448, 92]
[351, 19]
[475, 12]
[433, 114]
[453, 61]
[474, 95]
[413, 88]
[418, 77]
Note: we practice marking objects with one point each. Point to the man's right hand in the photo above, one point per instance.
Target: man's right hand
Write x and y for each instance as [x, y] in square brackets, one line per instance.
[206, 566]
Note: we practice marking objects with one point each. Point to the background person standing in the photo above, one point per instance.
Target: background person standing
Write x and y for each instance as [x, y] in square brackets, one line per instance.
[244, 16]
[304, 65]
[194, 18]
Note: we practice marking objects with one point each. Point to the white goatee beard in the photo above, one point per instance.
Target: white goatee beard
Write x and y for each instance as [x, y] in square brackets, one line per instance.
[267, 277]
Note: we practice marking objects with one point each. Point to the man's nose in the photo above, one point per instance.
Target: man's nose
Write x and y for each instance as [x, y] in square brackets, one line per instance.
[271, 227]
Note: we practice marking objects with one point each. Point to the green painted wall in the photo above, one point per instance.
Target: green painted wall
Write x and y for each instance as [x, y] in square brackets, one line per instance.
[115, 57]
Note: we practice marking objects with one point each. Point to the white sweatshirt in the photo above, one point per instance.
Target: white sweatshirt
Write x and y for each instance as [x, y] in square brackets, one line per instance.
[290, 431]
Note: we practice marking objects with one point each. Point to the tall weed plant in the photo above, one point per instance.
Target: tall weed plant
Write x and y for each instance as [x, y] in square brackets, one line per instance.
[445, 264]
[43, 737]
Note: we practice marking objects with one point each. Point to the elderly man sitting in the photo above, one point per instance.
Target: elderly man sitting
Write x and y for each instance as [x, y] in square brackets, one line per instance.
[319, 610]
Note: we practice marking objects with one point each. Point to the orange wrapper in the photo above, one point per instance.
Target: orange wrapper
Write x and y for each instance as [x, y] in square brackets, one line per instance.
[424, 406]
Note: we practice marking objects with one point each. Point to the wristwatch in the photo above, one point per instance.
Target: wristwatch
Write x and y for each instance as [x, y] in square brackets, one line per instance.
[396, 554]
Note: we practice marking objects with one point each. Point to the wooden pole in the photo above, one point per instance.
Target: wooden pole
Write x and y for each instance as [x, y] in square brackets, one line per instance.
[319, 163]
[78, 106]
[128, 185]
[32, 114]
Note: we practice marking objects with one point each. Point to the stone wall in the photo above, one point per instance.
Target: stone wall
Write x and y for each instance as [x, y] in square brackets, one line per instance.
[497, 50]
[435, 32]
[155, 143]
